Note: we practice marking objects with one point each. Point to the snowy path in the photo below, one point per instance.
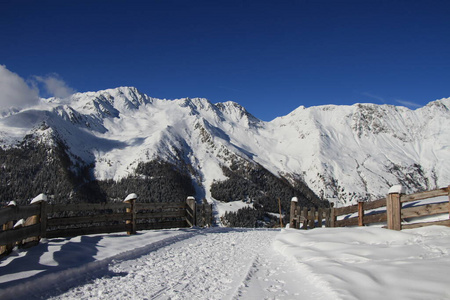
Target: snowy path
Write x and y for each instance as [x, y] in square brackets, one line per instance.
[225, 263]
[213, 264]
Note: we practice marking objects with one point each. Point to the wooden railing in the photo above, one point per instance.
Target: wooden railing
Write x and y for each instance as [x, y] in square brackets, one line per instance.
[304, 217]
[395, 222]
[362, 218]
[24, 226]
[388, 210]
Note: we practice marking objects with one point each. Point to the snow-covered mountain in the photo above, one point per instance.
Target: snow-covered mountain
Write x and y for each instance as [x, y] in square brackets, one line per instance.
[343, 153]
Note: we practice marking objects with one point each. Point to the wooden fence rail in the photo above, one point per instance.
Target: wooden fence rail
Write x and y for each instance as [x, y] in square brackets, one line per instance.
[373, 212]
[304, 217]
[65, 220]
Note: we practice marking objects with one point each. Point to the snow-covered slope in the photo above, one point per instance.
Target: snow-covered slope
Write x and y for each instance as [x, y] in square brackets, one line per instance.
[348, 152]
[343, 153]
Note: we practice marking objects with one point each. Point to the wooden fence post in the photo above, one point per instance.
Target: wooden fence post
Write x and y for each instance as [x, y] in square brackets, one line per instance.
[131, 198]
[319, 217]
[312, 218]
[43, 219]
[327, 217]
[393, 207]
[191, 211]
[332, 220]
[293, 213]
[448, 189]
[360, 213]
[40, 199]
[305, 218]
[6, 249]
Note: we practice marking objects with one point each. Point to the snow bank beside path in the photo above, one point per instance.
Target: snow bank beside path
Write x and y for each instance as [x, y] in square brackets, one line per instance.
[373, 263]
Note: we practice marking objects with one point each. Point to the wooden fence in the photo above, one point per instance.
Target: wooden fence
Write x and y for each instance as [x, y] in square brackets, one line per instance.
[389, 210]
[305, 217]
[26, 225]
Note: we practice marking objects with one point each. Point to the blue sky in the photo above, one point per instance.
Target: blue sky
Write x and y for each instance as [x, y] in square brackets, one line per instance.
[269, 56]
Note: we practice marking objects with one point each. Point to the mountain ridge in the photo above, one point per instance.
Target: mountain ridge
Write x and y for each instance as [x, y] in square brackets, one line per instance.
[343, 153]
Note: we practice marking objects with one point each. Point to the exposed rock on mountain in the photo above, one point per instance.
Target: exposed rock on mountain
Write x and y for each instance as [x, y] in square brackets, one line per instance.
[338, 153]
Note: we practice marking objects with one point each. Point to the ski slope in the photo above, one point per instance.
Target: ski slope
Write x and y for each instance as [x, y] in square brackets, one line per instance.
[224, 263]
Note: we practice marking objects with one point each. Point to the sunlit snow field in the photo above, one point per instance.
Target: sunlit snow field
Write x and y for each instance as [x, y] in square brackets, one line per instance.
[224, 263]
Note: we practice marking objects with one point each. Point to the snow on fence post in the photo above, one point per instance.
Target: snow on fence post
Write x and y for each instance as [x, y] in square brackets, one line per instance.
[394, 207]
[6, 249]
[131, 198]
[191, 211]
[40, 199]
[293, 213]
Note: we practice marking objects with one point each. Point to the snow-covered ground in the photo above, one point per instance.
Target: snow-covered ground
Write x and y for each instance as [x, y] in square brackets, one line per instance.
[224, 263]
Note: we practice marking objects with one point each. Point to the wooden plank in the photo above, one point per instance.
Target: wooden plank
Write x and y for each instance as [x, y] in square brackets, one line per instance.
[19, 234]
[375, 204]
[347, 222]
[425, 210]
[375, 218]
[54, 208]
[425, 195]
[87, 230]
[355, 221]
[67, 221]
[160, 205]
[423, 224]
[164, 214]
[346, 210]
[15, 213]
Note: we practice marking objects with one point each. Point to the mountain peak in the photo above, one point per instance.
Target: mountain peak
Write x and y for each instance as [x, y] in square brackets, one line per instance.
[238, 113]
[344, 153]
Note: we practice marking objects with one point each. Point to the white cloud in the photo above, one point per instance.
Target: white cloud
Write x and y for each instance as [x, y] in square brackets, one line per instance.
[55, 86]
[380, 99]
[15, 93]
[408, 103]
